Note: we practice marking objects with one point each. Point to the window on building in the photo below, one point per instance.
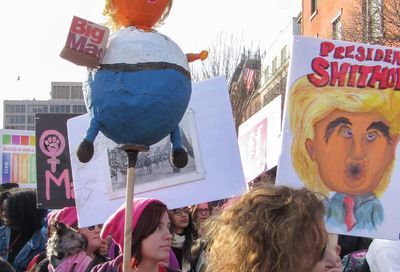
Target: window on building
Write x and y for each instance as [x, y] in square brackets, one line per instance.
[284, 55]
[37, 109]
[15, 127]
[15, 119]
[76, 92]
[373, 19]
[267, 73]
[30, 127]
[20, 108]
[8, 108]
[58, 109]
[21, 119]
[313, 6]
[274, 65]
[31, 119]
[258, 104]
[60, 92]
[54, 94]
[268, 98]
[337, 29]
[79, 109]
[82, 109]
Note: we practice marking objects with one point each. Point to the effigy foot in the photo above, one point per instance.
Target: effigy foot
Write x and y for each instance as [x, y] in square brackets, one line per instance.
[179, 157]
[85, 151]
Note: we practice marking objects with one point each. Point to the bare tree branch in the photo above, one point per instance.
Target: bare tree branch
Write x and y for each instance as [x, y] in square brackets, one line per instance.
[228, 56]
[376, 22]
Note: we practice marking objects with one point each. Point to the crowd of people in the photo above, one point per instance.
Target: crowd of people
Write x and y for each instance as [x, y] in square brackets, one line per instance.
[269, 228]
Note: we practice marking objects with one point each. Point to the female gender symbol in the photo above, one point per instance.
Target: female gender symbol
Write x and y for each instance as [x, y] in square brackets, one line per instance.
[52, 143]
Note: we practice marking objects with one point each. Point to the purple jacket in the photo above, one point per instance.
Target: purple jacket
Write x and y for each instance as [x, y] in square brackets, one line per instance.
[110, 266]
[113, 265]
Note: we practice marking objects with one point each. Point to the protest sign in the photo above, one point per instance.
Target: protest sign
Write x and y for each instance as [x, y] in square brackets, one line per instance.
[18, 160]
[214, 172]
[259, 140]
[341, 130]
[55, 183]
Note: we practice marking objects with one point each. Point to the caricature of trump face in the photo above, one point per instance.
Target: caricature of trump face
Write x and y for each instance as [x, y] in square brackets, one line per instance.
[352, 150]
[344, 139]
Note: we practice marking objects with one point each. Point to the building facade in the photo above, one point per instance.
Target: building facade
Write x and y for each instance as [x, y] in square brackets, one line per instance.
[276, 62]
[66, 97]
[325, 18]
[274, 68]
[366, 21]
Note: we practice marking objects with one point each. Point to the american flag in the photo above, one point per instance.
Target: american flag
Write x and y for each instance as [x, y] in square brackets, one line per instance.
[248, 78]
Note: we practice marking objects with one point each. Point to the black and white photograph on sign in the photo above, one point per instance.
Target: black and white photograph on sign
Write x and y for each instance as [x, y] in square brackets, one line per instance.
[153, 168]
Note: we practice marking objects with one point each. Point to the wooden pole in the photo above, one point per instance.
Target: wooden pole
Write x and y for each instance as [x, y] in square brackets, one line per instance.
[132, 151]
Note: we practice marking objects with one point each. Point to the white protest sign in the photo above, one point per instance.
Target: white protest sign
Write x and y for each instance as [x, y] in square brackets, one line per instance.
[214, 173]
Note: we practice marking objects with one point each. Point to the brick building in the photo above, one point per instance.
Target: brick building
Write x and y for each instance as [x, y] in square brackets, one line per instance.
[367, 21]
[325, 18]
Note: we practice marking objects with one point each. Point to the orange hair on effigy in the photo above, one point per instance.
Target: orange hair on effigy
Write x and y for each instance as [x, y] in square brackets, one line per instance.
[144, 14]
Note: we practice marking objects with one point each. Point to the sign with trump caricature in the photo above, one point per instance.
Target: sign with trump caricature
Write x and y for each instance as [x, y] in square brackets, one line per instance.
[340, 133]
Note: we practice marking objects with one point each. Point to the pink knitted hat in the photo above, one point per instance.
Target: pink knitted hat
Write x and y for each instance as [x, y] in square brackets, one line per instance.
[67, 216]
[51, 215]
[115, 224]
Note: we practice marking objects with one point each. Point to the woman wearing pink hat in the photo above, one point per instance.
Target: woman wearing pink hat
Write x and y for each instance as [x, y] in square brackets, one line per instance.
[69, 217]
[151, 239]
[83, 260]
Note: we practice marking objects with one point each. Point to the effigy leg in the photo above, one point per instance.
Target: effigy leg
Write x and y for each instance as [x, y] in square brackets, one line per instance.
[85, 149]
[179, 157]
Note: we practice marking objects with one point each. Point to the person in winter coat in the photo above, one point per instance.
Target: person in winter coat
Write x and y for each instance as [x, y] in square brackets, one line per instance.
[183, 235]
[151, 238]
[21, 236]
[93, 253]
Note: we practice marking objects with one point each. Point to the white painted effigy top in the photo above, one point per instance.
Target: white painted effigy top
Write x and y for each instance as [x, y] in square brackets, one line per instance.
[132, 46]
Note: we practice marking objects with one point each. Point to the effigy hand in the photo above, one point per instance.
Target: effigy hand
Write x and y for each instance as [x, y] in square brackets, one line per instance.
[199, 56]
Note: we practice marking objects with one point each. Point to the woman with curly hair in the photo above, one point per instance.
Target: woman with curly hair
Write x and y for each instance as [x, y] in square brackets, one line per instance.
[271, 228]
